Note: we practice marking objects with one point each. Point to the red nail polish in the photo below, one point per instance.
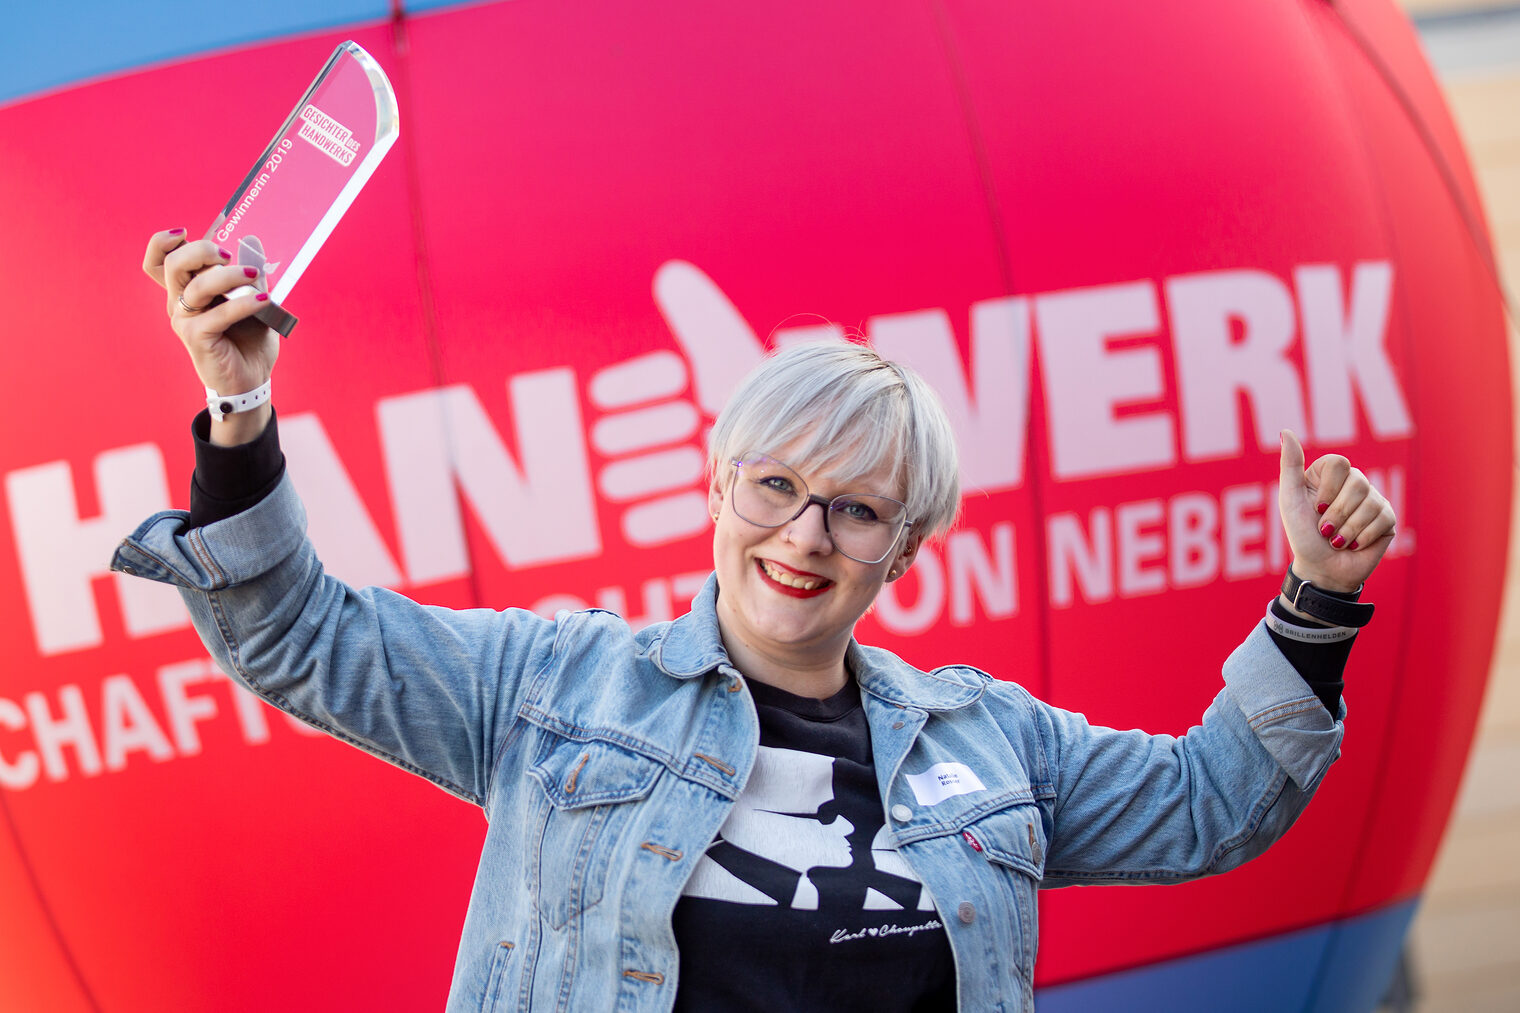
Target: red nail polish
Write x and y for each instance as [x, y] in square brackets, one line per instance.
[1327, 530]
[1355, 546]
[1338, 541]
[1322, 508]
[176, 232]
[261, 297]
[250, 272]
[223, 253]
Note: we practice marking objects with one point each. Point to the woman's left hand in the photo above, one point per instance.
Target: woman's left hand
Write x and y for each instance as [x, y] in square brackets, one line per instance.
[1337, 524]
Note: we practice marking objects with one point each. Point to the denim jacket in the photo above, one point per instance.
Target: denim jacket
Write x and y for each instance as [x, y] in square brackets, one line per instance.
[607, 760]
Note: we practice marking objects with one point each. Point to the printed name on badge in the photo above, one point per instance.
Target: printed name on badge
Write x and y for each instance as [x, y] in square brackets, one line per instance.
[942, 781]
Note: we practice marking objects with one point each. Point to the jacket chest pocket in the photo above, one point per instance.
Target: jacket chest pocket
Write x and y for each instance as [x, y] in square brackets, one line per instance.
[589, 790]
[1012, 842]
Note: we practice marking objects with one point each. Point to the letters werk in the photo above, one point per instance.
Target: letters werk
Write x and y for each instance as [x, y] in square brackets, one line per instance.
[1105, 390]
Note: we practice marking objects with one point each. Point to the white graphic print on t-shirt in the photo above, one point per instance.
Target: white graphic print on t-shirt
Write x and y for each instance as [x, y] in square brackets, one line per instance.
[789, 822]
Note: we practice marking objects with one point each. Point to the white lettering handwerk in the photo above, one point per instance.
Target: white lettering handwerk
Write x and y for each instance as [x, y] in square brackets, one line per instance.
[446, 451]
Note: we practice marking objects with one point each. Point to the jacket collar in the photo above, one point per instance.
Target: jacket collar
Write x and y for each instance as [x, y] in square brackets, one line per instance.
[692, 645]
[888, 677]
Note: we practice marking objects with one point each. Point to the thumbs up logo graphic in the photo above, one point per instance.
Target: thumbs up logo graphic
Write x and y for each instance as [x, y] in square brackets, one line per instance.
[716, 340]
[656, 409]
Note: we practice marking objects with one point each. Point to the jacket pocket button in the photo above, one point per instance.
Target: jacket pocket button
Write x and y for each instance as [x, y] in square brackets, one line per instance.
[901, 813]
[966, 912]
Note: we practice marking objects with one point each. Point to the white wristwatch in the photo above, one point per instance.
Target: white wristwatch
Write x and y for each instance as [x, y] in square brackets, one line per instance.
[220, 406]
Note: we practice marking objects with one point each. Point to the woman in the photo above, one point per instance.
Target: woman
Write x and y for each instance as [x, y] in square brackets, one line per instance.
[745, 808]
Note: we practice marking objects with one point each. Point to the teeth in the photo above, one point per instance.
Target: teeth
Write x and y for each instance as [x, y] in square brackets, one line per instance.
[790, 579]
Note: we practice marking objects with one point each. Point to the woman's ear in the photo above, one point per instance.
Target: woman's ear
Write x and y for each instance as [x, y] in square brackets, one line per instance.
[715, 497]
[904, 558]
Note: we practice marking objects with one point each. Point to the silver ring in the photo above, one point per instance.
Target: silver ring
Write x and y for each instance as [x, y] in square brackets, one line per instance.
[192, 310]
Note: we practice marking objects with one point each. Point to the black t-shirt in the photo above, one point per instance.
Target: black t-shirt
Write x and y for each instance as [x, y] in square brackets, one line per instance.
[801, 902]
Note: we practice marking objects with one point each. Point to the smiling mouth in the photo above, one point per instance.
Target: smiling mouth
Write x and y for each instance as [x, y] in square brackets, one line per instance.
[798, 585]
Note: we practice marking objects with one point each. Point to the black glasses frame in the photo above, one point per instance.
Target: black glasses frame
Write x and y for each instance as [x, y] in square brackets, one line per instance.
[828, 508]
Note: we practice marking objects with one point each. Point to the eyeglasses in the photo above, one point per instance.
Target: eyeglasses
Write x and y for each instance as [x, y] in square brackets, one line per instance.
[863, 526]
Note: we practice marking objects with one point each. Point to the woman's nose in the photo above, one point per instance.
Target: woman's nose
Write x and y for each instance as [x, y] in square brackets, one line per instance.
[809, 529]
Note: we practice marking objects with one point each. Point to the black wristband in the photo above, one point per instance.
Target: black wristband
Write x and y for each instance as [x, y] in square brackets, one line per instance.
[1321, 664]
[1334, 607]
[229, 480]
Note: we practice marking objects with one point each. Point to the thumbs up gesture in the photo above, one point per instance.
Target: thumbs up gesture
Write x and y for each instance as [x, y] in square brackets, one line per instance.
[1337, 524]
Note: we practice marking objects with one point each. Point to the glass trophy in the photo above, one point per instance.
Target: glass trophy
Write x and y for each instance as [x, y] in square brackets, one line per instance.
[319, 160]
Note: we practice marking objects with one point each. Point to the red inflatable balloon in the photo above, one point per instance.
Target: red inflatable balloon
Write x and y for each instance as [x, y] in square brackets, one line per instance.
[1128, 244]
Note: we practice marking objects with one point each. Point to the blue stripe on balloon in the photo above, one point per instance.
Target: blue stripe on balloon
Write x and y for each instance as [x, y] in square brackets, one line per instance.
[1361, 959]
[1339, 966]
[413, 6]
[50, 45]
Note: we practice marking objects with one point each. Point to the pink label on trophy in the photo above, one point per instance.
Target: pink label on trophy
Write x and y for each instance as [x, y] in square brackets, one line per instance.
[328, 136]
[317, 163]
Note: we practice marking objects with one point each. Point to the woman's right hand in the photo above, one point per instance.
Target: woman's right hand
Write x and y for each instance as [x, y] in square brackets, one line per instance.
[231, 352]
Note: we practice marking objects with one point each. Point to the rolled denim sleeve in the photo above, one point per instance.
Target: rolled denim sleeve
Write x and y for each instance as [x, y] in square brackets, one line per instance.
[430, 690]
[1134, 807]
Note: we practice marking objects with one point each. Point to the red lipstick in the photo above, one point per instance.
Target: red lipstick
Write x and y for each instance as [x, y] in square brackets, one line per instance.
[786, 589]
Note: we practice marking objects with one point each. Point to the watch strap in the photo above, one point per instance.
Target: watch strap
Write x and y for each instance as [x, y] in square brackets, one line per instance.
[1326, 606]
[220, 406]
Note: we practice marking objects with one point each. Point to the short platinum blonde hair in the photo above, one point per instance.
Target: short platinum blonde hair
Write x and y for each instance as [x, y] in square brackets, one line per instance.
[849, 411]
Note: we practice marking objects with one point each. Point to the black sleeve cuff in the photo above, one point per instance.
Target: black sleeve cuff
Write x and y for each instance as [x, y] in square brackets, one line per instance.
[229, 480]
[1321, 666]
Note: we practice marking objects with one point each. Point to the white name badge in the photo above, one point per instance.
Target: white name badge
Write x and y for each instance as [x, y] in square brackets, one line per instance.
[942, 781]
